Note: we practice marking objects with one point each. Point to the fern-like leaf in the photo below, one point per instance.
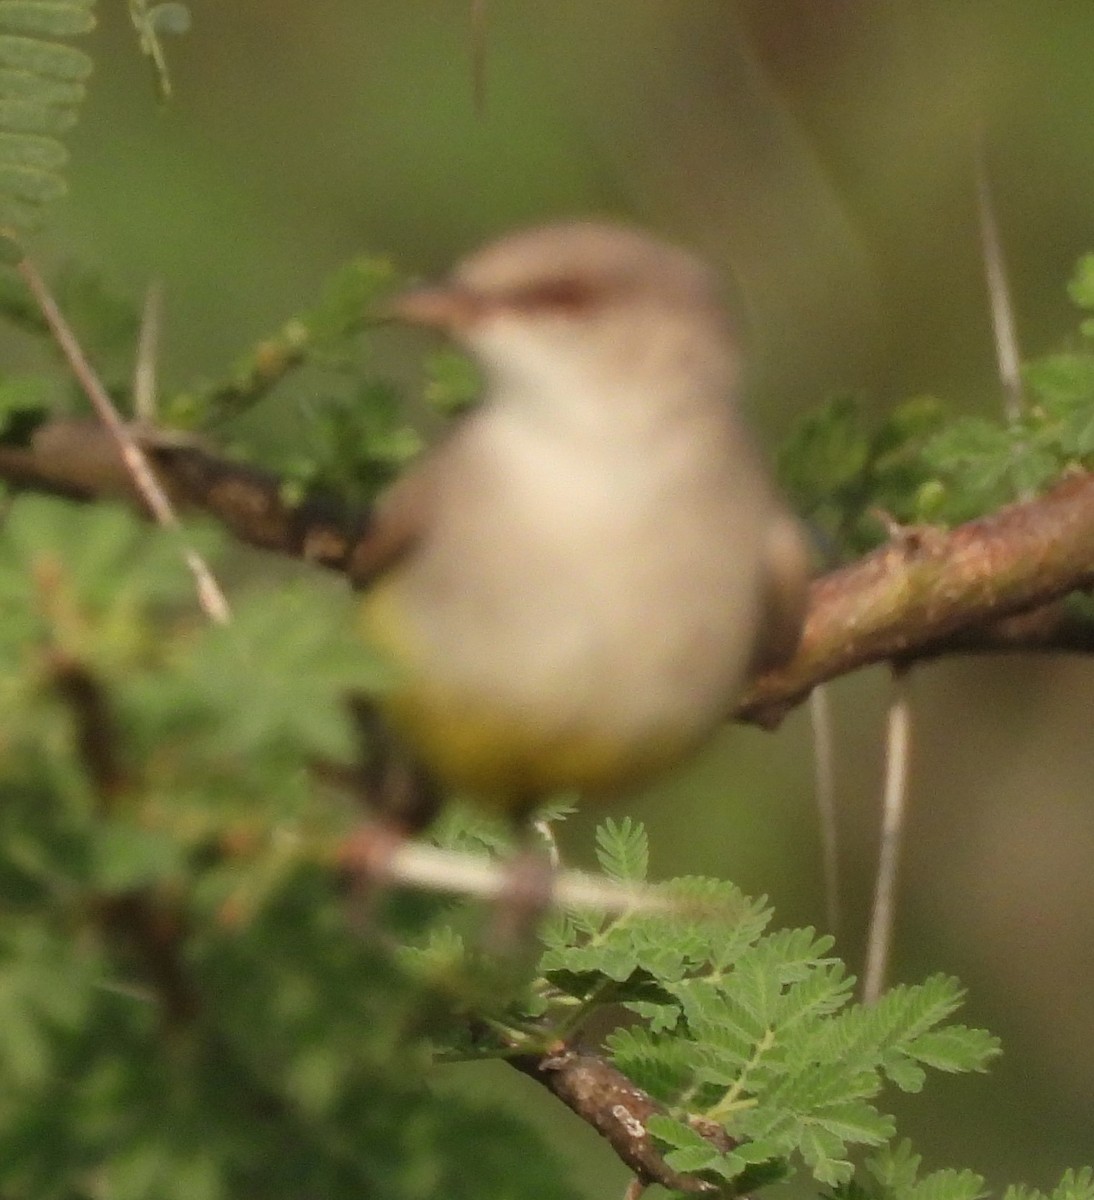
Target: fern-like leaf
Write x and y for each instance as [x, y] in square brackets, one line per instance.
[41, 86]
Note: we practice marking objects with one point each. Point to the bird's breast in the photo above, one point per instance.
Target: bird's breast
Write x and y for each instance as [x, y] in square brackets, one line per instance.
[598, 597]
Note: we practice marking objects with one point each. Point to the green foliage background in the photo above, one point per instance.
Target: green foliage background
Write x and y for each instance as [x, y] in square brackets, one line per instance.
[822, 152]
[193, 1005]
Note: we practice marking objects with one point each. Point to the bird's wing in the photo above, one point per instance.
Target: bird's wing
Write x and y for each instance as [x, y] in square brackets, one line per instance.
[786, 591]
[396, 523]
[405, 511]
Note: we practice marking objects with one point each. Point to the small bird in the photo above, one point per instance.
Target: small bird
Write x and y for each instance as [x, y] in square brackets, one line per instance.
[573, 586]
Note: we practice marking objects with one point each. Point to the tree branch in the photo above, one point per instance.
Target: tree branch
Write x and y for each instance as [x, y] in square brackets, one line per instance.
[924, 594]
[930, 592]
[619, 1111]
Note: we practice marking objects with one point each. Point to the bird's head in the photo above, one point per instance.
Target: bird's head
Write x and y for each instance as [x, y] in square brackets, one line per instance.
[578, 305]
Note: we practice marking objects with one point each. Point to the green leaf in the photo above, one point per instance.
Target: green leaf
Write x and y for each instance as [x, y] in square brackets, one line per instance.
[1061, 378]
[27, 150]
[821, 1151]
[690, 1151]
[977, 458]
[955, 1048]
[558, 808]
[31, 117]
[1081, 287]
[50, 18]
[822, 991]
[28, 183]
[1075, 1185]
[44, 58]
[84, 582]
[950, 1185]
[856, 1122]
[907, 1075]
[46, 991]
[125, 856]
[828, 450]
[453, 382]
[274, 680]
[25, 85]
[623, 850]
[663, 1066]
[349, 297]
[895, 1167]
[970, 440]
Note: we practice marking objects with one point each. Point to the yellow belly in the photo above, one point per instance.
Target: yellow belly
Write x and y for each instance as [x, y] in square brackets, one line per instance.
[504, 759]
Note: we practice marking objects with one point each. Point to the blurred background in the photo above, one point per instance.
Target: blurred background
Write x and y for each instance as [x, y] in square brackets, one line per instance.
[820, 151]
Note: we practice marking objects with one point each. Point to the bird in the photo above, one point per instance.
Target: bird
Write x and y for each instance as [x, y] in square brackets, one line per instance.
[573, 585]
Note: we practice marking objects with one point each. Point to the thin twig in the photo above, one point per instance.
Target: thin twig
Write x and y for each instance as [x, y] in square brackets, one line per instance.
[543, 828]
[824, 795]
[148, 344]
[893, 811]
[1007, 356]
[416, 864]
[210, 596]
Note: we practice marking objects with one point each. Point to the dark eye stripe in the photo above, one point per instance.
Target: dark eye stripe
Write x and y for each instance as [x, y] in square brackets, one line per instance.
[564, 295]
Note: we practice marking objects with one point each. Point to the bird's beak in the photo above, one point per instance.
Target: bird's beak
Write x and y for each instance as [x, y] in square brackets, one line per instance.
[447, 307]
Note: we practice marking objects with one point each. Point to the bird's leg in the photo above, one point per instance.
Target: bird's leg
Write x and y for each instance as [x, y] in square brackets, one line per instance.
[393, 787]
[397, 796]
[527, 892]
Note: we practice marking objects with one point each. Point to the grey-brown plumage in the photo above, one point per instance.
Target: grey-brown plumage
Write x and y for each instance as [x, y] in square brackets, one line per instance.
[575, 584]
